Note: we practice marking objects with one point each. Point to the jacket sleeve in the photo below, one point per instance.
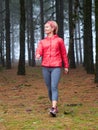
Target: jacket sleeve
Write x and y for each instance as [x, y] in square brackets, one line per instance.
[64, 54]
[39, 49]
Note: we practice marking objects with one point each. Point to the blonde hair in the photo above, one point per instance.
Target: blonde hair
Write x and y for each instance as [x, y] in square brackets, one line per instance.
[54, 25]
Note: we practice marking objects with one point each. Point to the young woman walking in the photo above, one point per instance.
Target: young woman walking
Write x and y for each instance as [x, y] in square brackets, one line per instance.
[53, 53]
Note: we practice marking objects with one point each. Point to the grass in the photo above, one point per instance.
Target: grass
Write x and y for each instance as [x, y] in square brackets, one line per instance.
[78, 118]
[24, 104]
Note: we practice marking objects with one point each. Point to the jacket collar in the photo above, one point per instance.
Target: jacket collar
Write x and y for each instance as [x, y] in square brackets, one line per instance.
[53, 37]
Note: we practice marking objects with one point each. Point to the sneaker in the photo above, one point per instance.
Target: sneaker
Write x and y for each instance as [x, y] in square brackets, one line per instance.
[53, 111]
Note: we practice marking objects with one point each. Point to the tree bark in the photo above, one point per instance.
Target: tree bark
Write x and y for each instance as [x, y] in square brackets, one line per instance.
[21, 65]
[7, 26]
[96, 24]
[71, 39]
[88, 47]
[60, 17]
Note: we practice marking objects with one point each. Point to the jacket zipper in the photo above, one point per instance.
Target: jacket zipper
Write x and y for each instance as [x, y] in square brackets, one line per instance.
[50, 53]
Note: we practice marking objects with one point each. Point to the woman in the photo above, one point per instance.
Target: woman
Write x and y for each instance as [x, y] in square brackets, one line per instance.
[53, 52]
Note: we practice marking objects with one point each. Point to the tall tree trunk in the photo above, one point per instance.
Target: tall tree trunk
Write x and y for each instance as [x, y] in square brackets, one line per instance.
[76, 45]
[21, 65]
[96, 24]
[71, 39]
[32, 35]
[2, 38]
[60, 17]
[7, 26]
[13, 46]
[76, 33]
[88, 47]
[80, 45]
[28, 31]
[42, 19]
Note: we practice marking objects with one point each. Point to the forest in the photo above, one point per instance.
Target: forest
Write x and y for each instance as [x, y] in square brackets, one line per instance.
[24, 103]
[22, 26]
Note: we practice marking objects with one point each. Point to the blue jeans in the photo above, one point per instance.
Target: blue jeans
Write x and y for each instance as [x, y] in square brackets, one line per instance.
[52, 77]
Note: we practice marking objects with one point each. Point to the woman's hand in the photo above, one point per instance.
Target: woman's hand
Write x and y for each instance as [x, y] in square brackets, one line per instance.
[38, 56]
[66, 70]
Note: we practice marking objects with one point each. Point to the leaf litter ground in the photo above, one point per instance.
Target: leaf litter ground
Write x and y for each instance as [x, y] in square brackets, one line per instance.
[24, 104]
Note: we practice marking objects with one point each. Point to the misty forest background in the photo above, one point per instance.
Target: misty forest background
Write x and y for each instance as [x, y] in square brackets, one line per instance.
[22, 26]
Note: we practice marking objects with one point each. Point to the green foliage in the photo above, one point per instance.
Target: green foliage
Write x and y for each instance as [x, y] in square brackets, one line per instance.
[81, 119]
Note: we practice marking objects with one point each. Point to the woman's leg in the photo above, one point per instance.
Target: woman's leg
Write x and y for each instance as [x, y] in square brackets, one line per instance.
[47, 78]
[55, 77]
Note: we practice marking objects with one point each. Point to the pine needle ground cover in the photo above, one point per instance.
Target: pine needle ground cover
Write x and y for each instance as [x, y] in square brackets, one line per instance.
[24, 103]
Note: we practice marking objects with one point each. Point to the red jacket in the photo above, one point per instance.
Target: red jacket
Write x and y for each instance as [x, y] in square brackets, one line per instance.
[53, 52]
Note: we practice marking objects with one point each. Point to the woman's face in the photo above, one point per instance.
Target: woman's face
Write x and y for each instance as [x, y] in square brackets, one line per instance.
[48, 29]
